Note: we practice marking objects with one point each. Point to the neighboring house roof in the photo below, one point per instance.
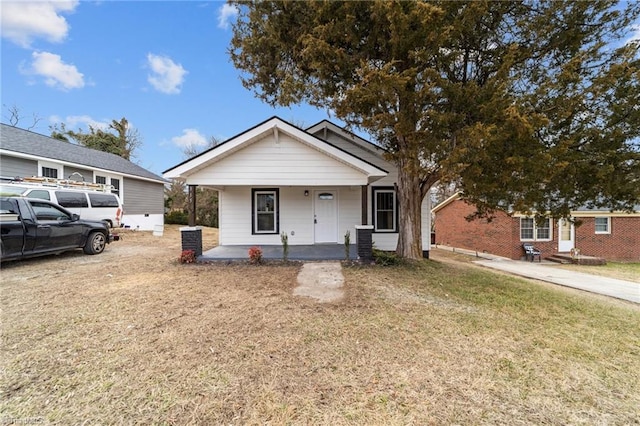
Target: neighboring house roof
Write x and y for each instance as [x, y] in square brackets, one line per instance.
[446, 202]
[580, 212]
[34, 145]
[272, 126]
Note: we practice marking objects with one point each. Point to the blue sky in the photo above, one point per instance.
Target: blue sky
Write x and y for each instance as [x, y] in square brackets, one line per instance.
[162, 65]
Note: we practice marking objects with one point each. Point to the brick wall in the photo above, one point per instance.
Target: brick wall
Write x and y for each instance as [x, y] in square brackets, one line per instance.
[499, 237]
[622, 244]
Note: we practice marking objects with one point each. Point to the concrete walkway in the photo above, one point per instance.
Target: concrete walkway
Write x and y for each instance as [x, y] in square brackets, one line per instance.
[548, 271]
[321, 281]
[619, 289]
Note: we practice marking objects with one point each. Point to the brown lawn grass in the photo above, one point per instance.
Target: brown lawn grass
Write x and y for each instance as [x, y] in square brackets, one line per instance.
[132, 336]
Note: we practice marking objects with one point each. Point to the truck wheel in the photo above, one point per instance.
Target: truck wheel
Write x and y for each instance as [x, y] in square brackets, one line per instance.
[95, 243]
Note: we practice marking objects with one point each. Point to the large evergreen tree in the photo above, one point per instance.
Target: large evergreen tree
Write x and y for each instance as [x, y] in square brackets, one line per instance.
[530, 104]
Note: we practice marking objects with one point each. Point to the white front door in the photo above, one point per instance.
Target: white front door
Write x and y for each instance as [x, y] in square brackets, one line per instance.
[325, 217]
[566, 235]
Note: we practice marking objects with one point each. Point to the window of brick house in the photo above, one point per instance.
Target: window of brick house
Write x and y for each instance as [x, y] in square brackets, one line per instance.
[531, 231]
[603, 225]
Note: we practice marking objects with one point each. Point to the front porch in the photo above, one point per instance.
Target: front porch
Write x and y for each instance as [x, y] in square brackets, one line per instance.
[315, 252]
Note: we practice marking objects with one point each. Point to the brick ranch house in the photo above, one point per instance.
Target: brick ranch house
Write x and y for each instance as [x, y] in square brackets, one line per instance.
[614, 236]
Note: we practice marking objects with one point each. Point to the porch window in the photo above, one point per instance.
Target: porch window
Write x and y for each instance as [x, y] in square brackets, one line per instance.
[265, 213]
[603, 225]
[531, 231]
[385, 210]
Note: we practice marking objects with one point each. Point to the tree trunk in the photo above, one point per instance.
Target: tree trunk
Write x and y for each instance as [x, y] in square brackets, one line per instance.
[410, 212]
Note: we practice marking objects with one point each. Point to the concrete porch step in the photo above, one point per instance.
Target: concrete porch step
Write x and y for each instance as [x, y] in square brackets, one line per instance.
[578, 260]
[559, 259]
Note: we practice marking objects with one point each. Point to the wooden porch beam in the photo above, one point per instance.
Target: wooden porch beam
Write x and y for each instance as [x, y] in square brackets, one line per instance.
[363, 208]
[192, 205]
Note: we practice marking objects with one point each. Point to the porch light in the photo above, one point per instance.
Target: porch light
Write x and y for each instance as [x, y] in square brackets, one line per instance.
[306, 192]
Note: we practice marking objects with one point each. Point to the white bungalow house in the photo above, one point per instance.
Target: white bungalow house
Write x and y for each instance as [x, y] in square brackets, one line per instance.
[313, 185]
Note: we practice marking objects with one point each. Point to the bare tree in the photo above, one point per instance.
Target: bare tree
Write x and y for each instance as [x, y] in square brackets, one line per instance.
[192, 150]
[14, 116]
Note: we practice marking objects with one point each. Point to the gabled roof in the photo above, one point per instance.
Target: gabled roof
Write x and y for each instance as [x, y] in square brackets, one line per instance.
[273, 125]
[347, 135]
[28, 143]
[451, 199]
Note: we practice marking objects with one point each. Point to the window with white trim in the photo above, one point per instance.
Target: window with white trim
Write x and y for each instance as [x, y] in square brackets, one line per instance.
[110, 180]
[531, 231]
[49, 169]
[603, 225]
[49, 172]
[265, 215]
[385, 210]
[115, 183]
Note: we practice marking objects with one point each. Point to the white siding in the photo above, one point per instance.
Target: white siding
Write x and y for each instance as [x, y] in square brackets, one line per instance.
[349, 201]
[143, 222]
[426, 223]
[296, 215]
[288, 162]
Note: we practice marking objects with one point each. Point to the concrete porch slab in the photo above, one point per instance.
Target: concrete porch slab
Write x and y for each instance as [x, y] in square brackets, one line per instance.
[274, 252]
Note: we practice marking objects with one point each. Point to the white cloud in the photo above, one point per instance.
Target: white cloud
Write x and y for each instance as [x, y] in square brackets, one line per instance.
[635, 35]
[167, 76]
[189, 138]
[75, 122]
[84, 121]
[56, 73]
[225, 14]
[24, 21]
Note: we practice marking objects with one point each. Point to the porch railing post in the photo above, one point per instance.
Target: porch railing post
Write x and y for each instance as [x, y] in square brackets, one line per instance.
[192, 239]
[364, 243]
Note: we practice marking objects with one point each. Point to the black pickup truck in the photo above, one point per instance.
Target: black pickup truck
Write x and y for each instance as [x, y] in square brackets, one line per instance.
[34, 227]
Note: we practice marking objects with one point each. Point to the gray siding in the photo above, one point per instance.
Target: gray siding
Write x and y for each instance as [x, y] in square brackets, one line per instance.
[13, 166]
[142, 197]
[86, 174]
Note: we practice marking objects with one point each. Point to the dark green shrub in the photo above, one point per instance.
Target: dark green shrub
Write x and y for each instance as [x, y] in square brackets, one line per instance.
[176, 217]
[385, 258]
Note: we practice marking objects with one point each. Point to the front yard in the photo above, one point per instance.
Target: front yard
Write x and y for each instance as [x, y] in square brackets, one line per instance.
[132, 336]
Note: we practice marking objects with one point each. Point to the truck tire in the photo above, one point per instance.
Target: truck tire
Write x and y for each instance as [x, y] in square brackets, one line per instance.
[96, 243]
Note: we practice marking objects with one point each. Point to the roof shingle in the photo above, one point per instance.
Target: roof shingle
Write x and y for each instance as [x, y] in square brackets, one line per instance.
[27, 142]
